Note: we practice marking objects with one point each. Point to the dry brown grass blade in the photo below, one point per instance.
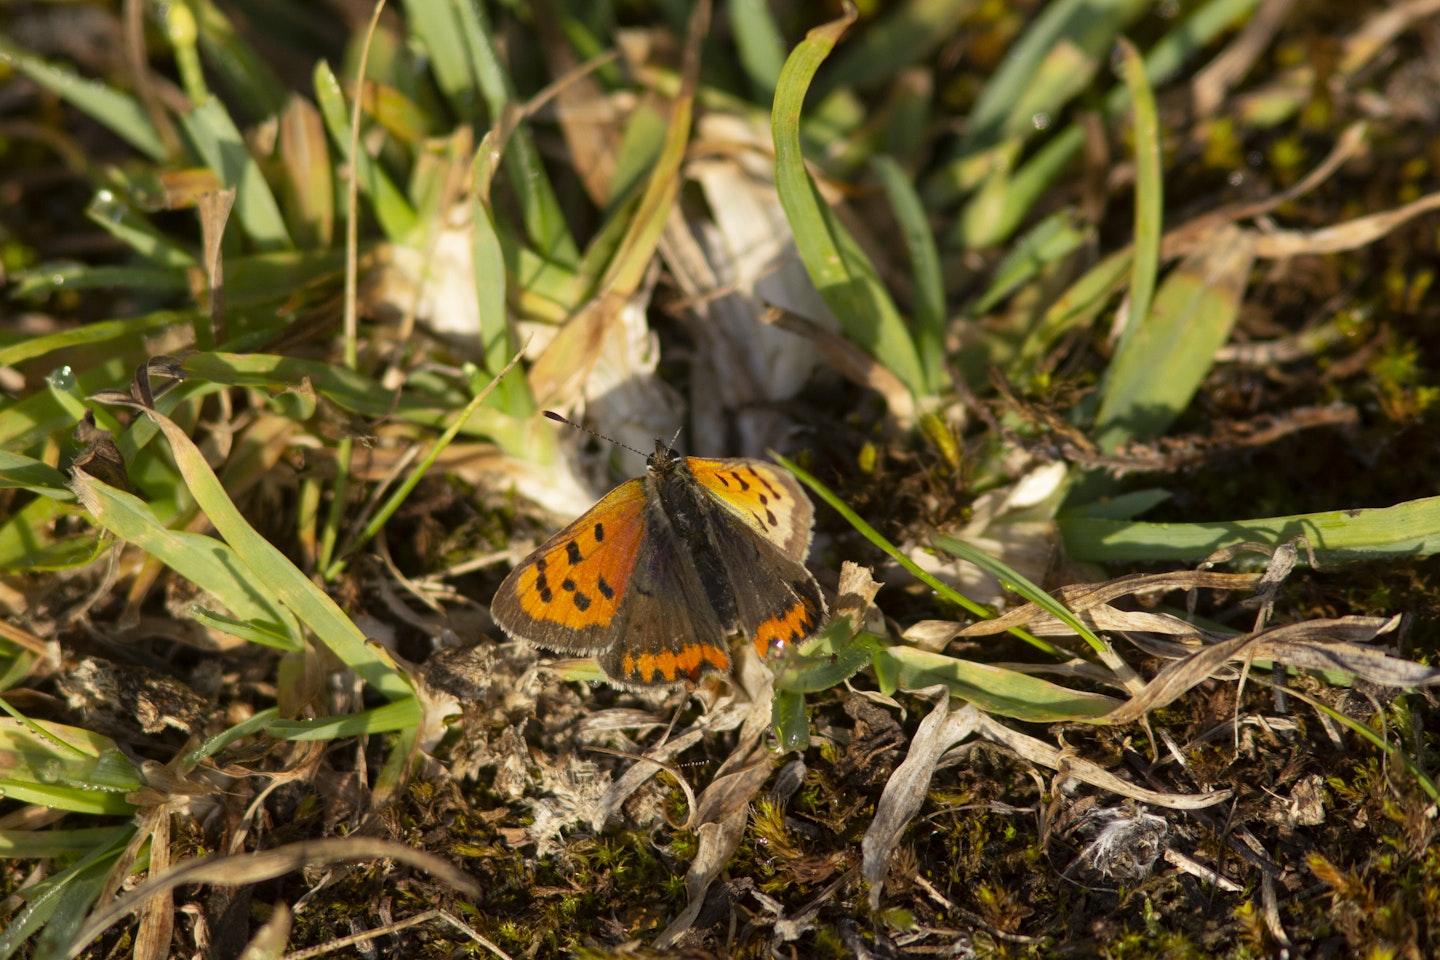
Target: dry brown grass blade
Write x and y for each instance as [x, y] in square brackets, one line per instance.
[852, 363]
[1189, 235]
[214, 211]
[1210, 85]
[267, 865]
[635, 777]
[1090, 602]
[905, 791]
[561, 370]
[723, 814]
[1343, 236]
[1042, 753]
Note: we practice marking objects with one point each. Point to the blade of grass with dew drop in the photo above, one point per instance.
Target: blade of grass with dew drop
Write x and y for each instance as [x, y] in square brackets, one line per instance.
[399, 715]
[118, 112]
[68, 768]
[1050, 63]
[273, 572]
[994, 690]
[929, 322]
[208, 563]
[1161, 363]
[249, 727]
[45, 279]
[840, 271]
[1409, 529]
[393, 211]
[789, 721]
[224, 150]
[1149, 199]
[118, 336]
[56, 907]
[116, 217]
[942, 589]
[38, 417]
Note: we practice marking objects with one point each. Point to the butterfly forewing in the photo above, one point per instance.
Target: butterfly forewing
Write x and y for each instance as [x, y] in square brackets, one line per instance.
[566, 595]
[763, 497]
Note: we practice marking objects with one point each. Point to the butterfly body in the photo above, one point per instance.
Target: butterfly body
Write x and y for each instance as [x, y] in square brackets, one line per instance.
[659, 576]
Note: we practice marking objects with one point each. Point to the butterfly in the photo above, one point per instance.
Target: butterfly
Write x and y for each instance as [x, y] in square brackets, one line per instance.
[656, 578]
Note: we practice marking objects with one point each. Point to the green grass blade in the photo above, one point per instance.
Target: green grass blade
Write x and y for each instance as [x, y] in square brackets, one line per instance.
[119, 219]
[400, 715]
[1149, 191]
[397, 218]
[760, 46]
[995, 690]
[121, 113]
[37, 476]
[434, 23]
[59, 904]
[1161, 364]
[1050, 240]
[942, 589]
[248, 77]
[224, 150]
[898, 36]
[209, 564]
[1409, 529]
[48, 844]
[545, 223]
[116, 336]
[68, 768]
[930, 315]
[29, 542]
[274, 572]
[1015, 582]
[1053, 61]
[49, 278]
[840, 271]
[1076, 307]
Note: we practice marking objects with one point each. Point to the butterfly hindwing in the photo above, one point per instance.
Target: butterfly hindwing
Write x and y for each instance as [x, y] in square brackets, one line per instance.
[567, 595]
[777, 600]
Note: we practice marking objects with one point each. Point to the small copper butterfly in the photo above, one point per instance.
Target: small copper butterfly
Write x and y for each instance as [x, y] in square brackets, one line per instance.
[660, 574]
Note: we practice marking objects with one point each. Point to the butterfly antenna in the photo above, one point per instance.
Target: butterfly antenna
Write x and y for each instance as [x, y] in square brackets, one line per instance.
[596, 434]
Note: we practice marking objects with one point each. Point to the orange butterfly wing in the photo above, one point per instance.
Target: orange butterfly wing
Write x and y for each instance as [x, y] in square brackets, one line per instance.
[778, 600]
[566, 595]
